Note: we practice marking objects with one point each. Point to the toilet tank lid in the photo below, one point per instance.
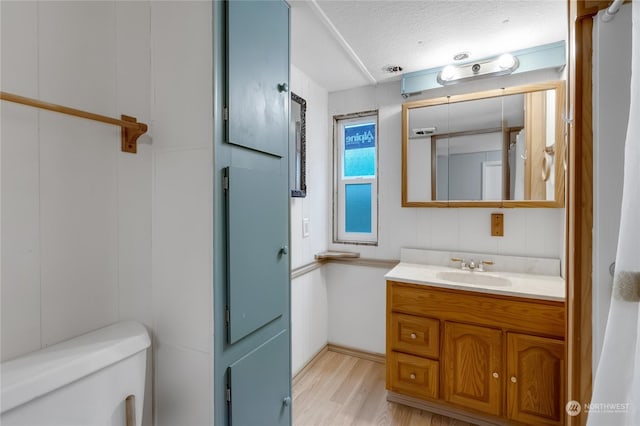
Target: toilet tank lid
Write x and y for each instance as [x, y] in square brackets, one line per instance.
[37, 373]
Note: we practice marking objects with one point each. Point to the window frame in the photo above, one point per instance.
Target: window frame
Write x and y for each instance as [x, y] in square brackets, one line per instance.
[340, 235]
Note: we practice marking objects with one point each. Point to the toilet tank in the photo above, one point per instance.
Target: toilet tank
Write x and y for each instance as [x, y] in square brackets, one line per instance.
[83, 381]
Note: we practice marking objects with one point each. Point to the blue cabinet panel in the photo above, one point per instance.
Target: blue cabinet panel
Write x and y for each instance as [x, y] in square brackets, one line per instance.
[258, 75]
[257, 240]
[260, 387]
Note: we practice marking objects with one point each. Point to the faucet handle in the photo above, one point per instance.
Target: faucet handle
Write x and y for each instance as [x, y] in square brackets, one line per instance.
[481, 264]
[463, 264]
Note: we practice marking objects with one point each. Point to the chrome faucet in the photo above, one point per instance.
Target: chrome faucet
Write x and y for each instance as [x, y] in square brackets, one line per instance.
[472, 266]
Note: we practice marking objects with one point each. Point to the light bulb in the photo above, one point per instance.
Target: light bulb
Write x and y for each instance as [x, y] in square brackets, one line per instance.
[506, 61]
[448, 73]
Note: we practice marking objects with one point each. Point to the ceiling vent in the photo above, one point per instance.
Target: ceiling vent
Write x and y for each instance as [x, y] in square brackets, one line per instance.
[391, 69]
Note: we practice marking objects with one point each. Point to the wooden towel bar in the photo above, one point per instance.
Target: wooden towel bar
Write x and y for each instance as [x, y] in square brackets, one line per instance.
[131, 129]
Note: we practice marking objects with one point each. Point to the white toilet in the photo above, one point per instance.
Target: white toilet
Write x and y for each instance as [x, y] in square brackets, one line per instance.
[84, 381]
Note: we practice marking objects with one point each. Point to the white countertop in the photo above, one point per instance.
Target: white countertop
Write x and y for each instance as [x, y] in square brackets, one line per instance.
[546, 287]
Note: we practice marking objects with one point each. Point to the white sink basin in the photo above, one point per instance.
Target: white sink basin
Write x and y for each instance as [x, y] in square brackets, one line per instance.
[477, 278]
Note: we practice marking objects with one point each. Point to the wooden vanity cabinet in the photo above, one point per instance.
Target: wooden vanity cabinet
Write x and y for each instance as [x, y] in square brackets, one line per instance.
[497, 358]
[472, 367]
[535, 379]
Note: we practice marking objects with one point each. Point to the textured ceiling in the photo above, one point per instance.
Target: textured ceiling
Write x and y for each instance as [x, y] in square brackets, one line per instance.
[416, 35]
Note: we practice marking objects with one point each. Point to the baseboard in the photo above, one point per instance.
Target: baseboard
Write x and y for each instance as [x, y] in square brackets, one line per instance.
[308, 365]
[346, 350]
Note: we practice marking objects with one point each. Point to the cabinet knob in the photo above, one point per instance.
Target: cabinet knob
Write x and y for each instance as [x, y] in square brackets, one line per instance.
[283, 87]
[286, 401]
[513, 379]
[495, 375]
[413, 335]
[412, 376]
[284, 250]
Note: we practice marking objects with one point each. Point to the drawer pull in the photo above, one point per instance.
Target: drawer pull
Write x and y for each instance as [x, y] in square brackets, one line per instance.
[513, 379]
[413, 335]
[412, 376]
[495, 375]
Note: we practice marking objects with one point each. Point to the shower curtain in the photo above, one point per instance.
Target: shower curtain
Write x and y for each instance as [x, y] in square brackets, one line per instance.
[616, 391]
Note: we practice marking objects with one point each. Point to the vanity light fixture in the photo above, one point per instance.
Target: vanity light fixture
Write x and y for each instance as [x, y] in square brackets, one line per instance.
[546, 56]
[499, 65]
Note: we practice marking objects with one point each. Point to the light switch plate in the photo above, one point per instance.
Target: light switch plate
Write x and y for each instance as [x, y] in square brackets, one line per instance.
[305, 227]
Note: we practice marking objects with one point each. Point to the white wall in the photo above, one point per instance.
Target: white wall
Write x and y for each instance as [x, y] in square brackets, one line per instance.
[314, 205]
[76, 228]
[354, 292]
[309, 317]
[91, 235]
[182, 112]
[66, 189]
[611, 98]
[309, 308]
[357, 306]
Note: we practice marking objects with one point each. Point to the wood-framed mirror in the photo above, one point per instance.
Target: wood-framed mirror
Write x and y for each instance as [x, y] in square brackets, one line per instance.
[298, 150]
[497, 148]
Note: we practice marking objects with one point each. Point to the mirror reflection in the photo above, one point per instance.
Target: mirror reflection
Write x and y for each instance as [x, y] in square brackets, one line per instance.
[494, 147]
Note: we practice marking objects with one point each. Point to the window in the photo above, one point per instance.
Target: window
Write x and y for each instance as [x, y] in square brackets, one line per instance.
[356, 178]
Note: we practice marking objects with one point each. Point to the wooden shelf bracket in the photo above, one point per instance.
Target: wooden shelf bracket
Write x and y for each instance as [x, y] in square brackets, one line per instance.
[131, 129]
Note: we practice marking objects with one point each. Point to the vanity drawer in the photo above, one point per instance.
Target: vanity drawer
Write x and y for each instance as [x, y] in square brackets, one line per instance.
[415, 335]
[412, 375]
[540, 317]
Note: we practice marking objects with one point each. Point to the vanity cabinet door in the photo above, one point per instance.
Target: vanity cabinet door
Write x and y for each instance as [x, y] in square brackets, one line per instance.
[473, 367]
[535, 379]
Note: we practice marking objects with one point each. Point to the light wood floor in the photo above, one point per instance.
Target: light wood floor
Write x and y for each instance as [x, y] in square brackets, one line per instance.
[338, 389]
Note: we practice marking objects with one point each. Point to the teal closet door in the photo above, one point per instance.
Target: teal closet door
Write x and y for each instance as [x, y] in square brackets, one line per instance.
[257, 239]
[259, 385]
[258, 75]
